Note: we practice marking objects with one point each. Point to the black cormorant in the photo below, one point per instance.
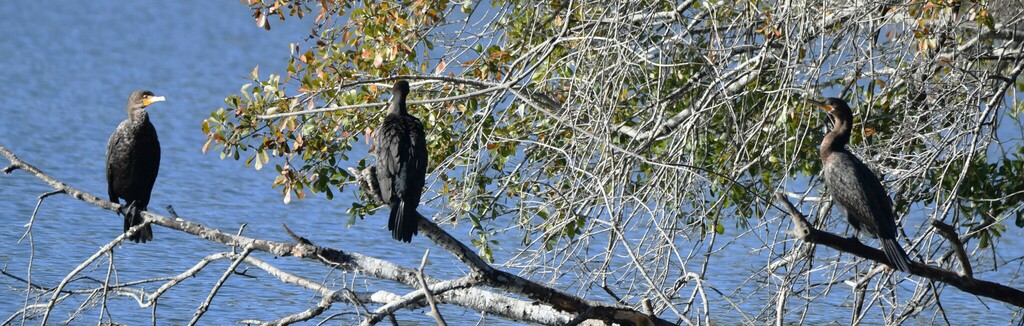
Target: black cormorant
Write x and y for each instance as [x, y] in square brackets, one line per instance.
[401, 164]
[857, 189]
[133, 160]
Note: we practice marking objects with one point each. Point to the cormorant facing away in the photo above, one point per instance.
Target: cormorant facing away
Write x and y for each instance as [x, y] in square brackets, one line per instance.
[401, 164]
[857, 189]
[133, 159]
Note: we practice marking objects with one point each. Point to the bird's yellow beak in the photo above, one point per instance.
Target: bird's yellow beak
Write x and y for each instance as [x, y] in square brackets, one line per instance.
[820, 104]
[152, 99]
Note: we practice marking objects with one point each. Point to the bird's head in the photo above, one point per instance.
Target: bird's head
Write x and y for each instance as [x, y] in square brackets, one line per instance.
[398, 94]
[142, 99]
[401, 87]
[834, 106]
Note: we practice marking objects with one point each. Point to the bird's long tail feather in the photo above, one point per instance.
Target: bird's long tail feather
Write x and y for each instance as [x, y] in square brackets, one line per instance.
[402, 221]
[896, 255]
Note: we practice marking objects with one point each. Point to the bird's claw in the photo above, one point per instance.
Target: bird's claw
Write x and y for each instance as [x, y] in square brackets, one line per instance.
[128, 210]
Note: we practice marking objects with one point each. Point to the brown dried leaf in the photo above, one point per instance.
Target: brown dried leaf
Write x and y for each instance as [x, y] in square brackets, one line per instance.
[207, 145]
[261, 20]
[441, 65]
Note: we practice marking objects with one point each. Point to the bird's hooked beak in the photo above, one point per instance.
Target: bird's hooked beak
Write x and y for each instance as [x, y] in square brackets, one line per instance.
[820, 104]
[152, 99]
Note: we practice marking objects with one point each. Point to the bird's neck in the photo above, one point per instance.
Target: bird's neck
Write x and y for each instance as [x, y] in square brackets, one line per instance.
[138, 115]
[836, 140]
[398, 107]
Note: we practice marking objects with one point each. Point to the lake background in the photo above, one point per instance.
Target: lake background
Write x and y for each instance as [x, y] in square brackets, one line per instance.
[67, 69]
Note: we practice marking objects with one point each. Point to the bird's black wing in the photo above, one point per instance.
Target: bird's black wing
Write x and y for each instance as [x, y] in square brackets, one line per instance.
[119, 170]
[868, 206]
[417, 169]
[388, 142]
[878, 202]
[401, 168]
[147, 164]
[858, 190]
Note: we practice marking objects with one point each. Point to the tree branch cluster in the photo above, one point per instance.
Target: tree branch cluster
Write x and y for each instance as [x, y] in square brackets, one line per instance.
[558, 307]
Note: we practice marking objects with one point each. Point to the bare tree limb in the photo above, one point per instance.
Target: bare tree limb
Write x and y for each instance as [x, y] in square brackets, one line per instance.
[216, 287]
[515, 284]
[418, 295]
[426, 290]
[806, 232]
[947, 231]
[106, 248]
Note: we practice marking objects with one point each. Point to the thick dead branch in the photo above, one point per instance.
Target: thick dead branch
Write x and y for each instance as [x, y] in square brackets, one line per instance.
[803, 230]
[515, 284]
[415, 297]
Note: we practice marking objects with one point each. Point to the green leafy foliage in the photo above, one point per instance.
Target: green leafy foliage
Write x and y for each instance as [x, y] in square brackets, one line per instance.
[563, 112]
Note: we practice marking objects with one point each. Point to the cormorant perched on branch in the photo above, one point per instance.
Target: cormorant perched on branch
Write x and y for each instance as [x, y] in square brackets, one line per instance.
[133, 159]
[401, 164]
[857, 189]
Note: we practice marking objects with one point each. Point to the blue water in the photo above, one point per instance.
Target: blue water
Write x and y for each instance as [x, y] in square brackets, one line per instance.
[67, 69]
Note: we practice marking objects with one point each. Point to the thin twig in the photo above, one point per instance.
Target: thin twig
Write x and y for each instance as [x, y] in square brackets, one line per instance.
[106, 285]
[415, 296]
[106, 248]
[376, 105]
[426, 290]
[35, 212]
[216, 287]
[151, 299]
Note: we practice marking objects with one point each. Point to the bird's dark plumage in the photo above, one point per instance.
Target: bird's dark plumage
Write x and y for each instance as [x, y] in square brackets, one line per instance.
[133, 160]
[401, 151]
[857, 189]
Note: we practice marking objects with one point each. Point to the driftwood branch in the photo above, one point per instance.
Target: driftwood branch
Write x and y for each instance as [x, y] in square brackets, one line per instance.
[415, 297]
[806, 232]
